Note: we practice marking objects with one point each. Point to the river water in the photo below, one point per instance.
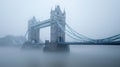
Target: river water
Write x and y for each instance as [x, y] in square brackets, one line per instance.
[79, 56]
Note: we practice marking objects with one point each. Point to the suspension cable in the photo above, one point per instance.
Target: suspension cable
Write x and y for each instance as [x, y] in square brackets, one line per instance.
[112, 37]
[67, 32]
[77, 33]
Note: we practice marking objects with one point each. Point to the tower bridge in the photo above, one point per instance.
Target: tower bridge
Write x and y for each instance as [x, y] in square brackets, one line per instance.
[59, 28]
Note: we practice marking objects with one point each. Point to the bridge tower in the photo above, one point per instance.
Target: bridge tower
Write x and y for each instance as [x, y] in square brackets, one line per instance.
[33, 34]
[57, 34]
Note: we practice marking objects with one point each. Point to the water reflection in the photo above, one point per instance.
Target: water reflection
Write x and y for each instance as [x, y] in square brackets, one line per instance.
[79, 56]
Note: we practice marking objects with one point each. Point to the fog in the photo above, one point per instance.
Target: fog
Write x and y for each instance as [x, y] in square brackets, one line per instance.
[95, 19]
[79, 56]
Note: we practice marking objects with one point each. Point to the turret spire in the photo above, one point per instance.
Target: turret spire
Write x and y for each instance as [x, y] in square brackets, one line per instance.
[57, 9]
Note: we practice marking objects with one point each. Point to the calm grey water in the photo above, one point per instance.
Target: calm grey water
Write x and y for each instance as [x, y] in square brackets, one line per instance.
[79, 56]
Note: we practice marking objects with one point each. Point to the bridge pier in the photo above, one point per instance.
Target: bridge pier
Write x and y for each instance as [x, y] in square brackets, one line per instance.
[55, 47]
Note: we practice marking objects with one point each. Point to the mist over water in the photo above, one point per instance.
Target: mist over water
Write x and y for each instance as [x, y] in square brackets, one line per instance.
[96, 19]
[79, 56]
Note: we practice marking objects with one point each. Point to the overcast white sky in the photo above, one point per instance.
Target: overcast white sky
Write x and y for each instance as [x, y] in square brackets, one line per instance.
[92, 18]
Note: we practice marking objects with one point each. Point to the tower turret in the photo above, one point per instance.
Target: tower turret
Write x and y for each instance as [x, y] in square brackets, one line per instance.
[58, 10]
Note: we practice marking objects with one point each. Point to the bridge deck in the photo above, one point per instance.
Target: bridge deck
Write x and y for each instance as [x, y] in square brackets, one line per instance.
[87, 43]
[84, 43]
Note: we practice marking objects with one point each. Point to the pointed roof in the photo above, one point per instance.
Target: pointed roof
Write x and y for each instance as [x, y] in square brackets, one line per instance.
[58, 9]
[34, 18]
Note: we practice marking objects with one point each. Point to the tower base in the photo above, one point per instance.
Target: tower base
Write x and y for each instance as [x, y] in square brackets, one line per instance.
[30, 45]
[54, 47]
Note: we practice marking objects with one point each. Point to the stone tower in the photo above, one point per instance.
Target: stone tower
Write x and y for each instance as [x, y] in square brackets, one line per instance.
[33, 34]
[57, 30]
[57, 17]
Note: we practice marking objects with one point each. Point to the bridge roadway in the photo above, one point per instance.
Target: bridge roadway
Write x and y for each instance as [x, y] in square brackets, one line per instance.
[85, 43]
[89, 43]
